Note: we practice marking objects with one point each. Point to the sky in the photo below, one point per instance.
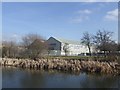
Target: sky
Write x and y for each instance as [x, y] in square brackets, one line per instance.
[68, 20]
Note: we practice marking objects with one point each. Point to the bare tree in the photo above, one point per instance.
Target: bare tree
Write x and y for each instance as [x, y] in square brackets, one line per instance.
[66, 48]
[34, 45]
[37, 48]
[112, 47]
[118, 48]
[5, 49]
[103, 40]
[9, 49]
[29, 39]
[87, 40]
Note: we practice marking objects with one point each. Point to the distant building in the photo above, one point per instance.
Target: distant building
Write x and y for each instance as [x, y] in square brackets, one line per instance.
[73, 48]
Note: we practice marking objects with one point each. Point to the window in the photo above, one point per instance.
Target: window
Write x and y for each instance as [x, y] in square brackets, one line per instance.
[51, 48]
[53, 44]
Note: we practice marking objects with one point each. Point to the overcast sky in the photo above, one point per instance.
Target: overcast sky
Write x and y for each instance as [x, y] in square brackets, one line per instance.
[63, 20]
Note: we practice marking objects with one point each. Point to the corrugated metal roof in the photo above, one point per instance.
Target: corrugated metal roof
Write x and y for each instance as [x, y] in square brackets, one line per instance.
[67, 41]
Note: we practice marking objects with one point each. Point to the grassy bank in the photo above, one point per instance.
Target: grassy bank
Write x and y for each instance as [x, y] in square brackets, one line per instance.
[96, 58]
[86, 58]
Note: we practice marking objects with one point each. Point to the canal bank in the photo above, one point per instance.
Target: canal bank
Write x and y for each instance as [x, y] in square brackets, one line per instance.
[110, 67]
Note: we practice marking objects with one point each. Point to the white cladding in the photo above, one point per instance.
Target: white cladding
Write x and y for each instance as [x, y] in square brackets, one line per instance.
[74, 48]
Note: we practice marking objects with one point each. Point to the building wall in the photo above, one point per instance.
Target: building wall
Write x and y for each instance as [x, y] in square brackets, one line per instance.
[74, 49]
[55, 46]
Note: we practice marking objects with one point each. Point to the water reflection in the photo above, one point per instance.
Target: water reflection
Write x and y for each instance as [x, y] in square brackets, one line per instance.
[19, 78]
[99, 81]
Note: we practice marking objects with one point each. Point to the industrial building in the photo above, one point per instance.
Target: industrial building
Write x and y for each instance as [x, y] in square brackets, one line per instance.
[59, 46]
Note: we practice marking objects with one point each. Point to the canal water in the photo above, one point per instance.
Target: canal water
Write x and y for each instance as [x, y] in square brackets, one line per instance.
[19, 78]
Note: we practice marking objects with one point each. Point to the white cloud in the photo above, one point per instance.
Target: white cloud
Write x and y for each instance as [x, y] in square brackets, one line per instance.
[79, 19]
[82, 15]
[86, 11]
[15, 37]
[112, 15]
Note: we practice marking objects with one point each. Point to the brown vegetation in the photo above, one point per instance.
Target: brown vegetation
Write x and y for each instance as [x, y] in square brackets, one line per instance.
[65, 65]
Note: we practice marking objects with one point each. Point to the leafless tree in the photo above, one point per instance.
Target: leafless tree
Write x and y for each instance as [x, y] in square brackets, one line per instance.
[103, 40]
[87, 40]
[37, 48]
[66, 48]
[29, 39]
[34, 45]
[118, 48]
[9, 49]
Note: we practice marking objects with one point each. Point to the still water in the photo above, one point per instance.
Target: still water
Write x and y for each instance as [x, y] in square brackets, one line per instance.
[19, 78]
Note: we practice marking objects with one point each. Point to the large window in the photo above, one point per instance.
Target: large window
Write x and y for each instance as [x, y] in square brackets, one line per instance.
[53, 44]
